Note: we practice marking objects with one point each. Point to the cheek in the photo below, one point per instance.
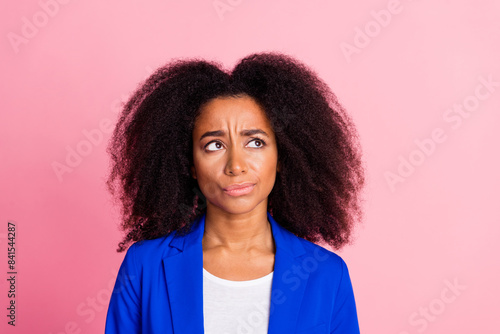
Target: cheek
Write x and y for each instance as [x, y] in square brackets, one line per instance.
[208, 184]
[266, 169]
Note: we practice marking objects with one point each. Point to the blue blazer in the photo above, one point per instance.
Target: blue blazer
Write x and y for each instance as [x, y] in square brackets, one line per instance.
[159, 288]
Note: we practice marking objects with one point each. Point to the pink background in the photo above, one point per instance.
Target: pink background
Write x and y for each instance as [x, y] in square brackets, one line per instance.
[404, 67]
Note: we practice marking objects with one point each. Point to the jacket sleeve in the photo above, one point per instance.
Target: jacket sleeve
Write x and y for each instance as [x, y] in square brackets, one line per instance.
[124, 310]
[344, 318]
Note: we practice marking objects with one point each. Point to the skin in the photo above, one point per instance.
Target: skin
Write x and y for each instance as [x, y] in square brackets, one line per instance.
[237, 242]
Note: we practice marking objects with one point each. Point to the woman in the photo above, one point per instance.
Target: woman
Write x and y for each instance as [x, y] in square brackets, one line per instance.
[227, 180]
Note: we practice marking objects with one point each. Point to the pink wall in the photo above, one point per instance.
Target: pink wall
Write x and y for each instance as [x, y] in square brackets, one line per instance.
[414, 75]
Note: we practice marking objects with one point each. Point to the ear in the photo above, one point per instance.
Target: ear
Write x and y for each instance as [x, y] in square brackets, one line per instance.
[193, 172]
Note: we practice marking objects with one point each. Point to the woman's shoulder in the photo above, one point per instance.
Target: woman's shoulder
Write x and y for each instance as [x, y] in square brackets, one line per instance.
[316, 255]
[309, 251]
[151, 249]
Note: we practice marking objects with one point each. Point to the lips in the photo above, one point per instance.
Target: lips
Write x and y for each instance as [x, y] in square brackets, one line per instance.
[239, 189]
[239, 186]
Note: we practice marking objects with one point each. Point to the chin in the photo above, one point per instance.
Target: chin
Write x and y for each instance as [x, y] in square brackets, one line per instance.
[238, 207]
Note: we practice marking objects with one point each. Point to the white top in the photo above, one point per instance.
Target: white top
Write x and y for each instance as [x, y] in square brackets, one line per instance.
[234, 307]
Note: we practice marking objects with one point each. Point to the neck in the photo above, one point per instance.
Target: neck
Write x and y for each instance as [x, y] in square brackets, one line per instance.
[237, 233]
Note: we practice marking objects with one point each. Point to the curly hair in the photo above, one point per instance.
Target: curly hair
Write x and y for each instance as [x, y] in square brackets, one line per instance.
[316, 195]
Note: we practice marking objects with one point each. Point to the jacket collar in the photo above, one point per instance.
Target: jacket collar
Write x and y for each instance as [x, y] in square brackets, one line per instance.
[184, 278]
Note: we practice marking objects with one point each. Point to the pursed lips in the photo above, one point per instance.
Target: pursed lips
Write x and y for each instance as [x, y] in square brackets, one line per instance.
[239, 186]
[239, 189]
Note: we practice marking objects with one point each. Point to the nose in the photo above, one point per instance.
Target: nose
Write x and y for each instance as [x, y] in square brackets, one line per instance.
[236, 161]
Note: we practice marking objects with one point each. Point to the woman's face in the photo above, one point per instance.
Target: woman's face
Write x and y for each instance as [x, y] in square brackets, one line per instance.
[233, 143]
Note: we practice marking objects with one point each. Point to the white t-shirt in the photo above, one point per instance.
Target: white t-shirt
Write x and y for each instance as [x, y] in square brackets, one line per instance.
[236, 307]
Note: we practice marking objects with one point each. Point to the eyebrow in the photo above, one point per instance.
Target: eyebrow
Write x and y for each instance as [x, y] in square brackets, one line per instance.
[221, 133]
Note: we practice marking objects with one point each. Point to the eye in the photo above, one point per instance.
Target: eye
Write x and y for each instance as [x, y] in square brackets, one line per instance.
[261, 142]
[213, 144]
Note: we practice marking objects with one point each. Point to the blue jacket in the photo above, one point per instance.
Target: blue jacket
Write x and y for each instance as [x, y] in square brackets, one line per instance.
[159, 288]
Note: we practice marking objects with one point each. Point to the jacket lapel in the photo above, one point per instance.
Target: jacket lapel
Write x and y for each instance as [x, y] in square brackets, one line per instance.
[288, 286]
[183, 269]
[184, 274]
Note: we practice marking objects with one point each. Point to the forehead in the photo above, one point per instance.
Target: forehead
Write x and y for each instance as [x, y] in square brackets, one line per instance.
[239, 111]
